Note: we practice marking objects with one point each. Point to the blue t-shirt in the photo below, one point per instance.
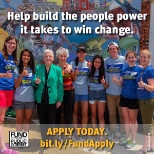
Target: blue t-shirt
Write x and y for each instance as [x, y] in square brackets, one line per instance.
[93, 82]
[6, 65]
[113, 66]
[25, 92]
[145, 74]
[129, 87]
[81, 82]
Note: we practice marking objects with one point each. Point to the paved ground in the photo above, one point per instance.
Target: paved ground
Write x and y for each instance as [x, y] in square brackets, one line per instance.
[34, 140]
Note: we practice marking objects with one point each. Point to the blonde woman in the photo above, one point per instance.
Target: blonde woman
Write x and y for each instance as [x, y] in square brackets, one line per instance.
[145, 93]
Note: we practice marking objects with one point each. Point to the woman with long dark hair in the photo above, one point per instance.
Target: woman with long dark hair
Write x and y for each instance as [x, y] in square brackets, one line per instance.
[22, 104]
[97, 95]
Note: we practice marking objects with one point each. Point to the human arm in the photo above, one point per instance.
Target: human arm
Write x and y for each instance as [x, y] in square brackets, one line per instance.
[60, 88]
[68, 68]
[105, 84]
[36, 80]
[75, 74]
[117, 81]
[18, 80]
[149, 86]
[8, 74]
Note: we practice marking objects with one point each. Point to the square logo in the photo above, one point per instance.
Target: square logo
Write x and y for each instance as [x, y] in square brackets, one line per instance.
[18, 139]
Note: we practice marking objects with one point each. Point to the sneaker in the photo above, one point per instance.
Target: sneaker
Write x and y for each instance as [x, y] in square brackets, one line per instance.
[140, 152]
[123, 141]
[118, 134]
[9, 151]
[123, 135]
[130, 144]
[111, 136]
[150, 150]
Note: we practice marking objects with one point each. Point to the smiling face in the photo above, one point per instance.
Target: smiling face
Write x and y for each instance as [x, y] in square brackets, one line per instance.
[62, 57]
[11, 46]
[97, 63]
[145, 58]
[25, 57]
[131, 59]
[48, 58]
[113, 51]
[81, 55]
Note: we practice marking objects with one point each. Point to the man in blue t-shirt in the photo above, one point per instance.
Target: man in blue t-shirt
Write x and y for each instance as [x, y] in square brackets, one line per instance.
[113, 66]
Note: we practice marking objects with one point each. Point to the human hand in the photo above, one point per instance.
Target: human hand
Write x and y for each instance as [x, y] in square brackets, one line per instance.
[67, 69]
[58, 104]
[76, 72]
[89, 64]
[37, 81]
[8, 74]
[141, 84]
[24, 72]
[114, 78]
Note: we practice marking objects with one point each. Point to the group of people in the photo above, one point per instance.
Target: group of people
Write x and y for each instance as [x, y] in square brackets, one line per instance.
[116, 80]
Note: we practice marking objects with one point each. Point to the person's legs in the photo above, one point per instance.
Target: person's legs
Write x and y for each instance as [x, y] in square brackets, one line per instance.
[41, 112]
[84, 107]
[93, 113]
[133, 127]
[29, 107]
[19, 119]
[5, 101]
[112, 107]
[58, 116]
[27, 119]
[126, 120]
[75, 114]
[18, 107]
[133, 120]
[75, 111]
[101, 109]
[67, 107]
[147, 106]
[2, 115]
[51, 115]
[122, 128]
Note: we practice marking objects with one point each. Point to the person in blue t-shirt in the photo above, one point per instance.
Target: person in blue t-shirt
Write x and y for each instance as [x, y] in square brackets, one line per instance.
[97, 95]
[145, 93]
[128, 99]
[113, 65]
[80, 72]
[8, 59]
[24, 101]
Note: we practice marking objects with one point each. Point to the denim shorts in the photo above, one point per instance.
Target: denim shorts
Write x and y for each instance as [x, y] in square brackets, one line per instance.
[97, 95]
[79, 98]
[17, 105]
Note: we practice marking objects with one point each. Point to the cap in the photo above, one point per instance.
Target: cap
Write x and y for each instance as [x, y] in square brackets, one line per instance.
[81, 48]
[114, 44]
